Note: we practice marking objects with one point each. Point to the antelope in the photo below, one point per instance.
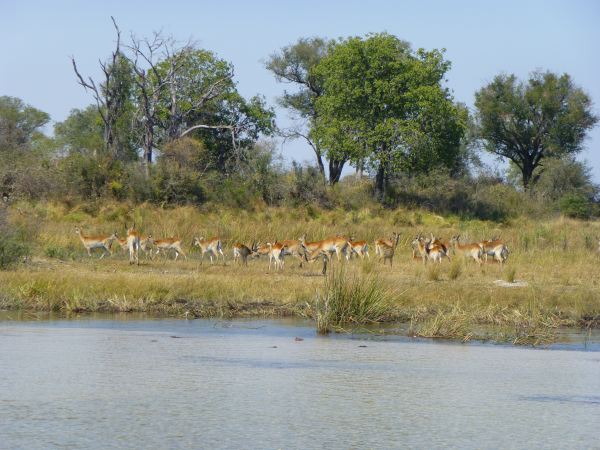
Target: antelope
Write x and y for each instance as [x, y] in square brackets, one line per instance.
[276, 252]
[167, 244]
[212, 246]
[294, 248]
[91, 242]
[419, 246]
[240, 251]
[133, 244]
[360, 248]
[436, 249]
[387, 251]
[331, 245]
[496, 248]
[379, 243]
[145, 245]
[474, 251]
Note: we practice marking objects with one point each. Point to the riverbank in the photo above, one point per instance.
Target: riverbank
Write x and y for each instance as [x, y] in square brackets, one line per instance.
[551, 279]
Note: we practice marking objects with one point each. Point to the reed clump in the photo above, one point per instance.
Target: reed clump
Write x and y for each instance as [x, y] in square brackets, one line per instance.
[351, 300]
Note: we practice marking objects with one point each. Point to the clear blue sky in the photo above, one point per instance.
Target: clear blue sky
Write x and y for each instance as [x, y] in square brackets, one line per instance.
[482, 39]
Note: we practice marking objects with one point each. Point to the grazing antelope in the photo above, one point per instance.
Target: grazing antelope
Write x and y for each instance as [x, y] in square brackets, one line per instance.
[211, 246]
[360, 248]
[91, 242]
[387, 251]
[379, 243]
[474, 251]
[294, 248]
[496, 248]
[240, 251]
[166, 244]
[331, 245]
[133, 244]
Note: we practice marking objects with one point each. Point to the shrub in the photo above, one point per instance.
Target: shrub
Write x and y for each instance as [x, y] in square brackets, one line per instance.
[12, 251]
[576, 206]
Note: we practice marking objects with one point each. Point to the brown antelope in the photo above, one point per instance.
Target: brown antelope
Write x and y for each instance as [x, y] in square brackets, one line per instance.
[276, 251]
[360, 248]
[241, 252]
[294, 248]
[211, 246]
[166, 245]
[133, 244]
[145, 245]
[495, 248]
[102, 242]
[387, 251]
[419, 247]
[437, 249]
[331, 245]
[387, 242]
[467, 250]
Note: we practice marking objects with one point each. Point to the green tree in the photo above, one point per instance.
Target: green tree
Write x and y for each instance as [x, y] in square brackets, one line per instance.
[19, 124]
[547, 117]
[385, 103]
[295, 64]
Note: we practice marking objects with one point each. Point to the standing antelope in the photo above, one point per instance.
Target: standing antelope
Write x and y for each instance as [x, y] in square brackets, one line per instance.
[387, 251]
[240, 251]
[496, 248]
[91, 242]
[211, 246]
[167, 244]
[133, 244]
[379, 243]
[360, 248]
[467, 250]
[276, 253]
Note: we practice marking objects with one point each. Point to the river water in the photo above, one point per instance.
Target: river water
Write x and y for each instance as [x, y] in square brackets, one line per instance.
[141, 384]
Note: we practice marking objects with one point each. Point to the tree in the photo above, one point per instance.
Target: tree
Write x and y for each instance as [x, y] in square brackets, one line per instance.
[547, 117]
[295, 64]
[384, 103]
[113, 99]
[19, 123]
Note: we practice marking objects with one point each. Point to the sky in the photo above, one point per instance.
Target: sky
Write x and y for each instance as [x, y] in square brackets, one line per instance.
[481, 38]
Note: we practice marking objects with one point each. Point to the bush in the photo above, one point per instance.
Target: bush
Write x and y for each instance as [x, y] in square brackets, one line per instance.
[576, 206]
[11, 251]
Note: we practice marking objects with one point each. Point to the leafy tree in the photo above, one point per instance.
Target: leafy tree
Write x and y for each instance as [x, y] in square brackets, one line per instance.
[295, 64]
[383, 102]
[82, 132]
[19, 124]
[547, 117]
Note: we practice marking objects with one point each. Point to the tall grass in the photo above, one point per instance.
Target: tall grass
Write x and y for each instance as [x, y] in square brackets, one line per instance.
[352, 299]
[563, 282]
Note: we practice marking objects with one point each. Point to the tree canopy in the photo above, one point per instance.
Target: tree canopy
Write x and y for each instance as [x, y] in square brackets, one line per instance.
[547, 117]
[384, 103]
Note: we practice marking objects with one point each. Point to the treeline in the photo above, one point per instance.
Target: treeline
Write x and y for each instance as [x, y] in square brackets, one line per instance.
[168, 126]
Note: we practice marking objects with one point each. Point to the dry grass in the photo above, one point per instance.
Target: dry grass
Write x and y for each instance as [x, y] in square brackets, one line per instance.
[452, 300]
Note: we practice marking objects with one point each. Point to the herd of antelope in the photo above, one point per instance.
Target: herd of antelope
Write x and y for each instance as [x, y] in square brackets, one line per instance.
[428, 249]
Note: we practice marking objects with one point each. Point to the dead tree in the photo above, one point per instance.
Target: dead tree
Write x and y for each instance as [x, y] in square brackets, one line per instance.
[108, 95]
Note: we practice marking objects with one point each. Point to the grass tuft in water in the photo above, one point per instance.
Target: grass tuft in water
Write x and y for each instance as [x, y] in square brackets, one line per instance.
[352, 300]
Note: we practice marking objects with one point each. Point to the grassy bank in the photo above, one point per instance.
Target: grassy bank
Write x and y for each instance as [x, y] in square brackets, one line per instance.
[556, 260]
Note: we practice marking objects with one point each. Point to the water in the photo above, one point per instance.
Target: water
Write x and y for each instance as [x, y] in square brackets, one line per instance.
[144, 384]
